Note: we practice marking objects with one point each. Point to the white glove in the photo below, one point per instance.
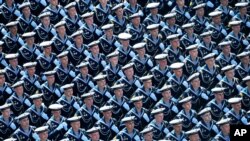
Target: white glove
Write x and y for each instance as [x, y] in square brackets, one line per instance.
[13, 126]
[44, 116]
[65, 126]
[60, 127]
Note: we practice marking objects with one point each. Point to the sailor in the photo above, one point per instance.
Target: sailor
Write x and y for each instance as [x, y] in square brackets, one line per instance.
[84, 6]
[216, 26]
[188, 114]
[9, 11]
[147, 134]
[243, 68]
[3, 62]
[91, 31]
[229, 82]
[5, 89]
[89, 112]
[46, 61]
[218, 105]
[177, 80]
[70, 103]
[27, 22]
[57, 125]
[129, 132]
[207, 125]
[182, 13]
[25, 131]
[224, 134]
[193, 135]
[133, 7]
[42, 132]
[102, 13]
[161, 71]
[38, 111]
[160, 127]
[174, 51]
[245, 94]
[36, 7]
[3, 30]
[45, 30]
[154, 44]
[78, 50]
[97, 61]
[210, 73]
[12, 40]
[153, 17]
[107, 124]
[94, 134]
[108, 41]
[177, 134]
[31, 79]
[141, 115]
[29, 51]
[237, 114]
[130, 80]
[126, 53]
[51, 90]
[75, 132]
[227, 11]
[7, 123]
[61, 41]
[13, 72]
[199, 20]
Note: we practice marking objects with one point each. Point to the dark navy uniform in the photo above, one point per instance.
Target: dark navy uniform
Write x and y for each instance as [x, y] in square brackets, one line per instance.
[150, 97]
[142, 66]
[5, 92]
[119, 25]
[36, 7]
[206, 49]
[199, 25]
[239, 42]
[125, 56]
[37, 118]
[167, 30]
[82, 85]
[191, 66]
[160, 76]
[178, 86]
[241, 71]
[128, 11]
[141, 119]
[100, 98]
[154, 46]
[31, 85]
[69, 107]
[91, 34]
[237, 119]
[207, 132]
[3, 30]
[113, 74]
[159, 132]
[64, 76]
[218, 33]
[221, 137]
[13, 75]
[72, 136]
[7, 127]
[232, 88]
[50, 93]
[245, 94]
[173, 137]
[83, 6]
[153, 20]
[227, 13]
[72, 25]
[20, 135]
[102, 16]
[185, 41]
[107, 131]
[26, 25]
[170, 110]
[3, 62]
[245, 25]
[46, 64]
[59, 44]
[174, 55]
[124, 135]
[189, 121]
[44, 34]
[12, 44]
[137, 33]
[182, 16]
[77, 55]
[210, 78]
[56, 14]
[96, 65]
[27, 54]
[108, 46]
[56, 129]
[130, 86]
[9, 14]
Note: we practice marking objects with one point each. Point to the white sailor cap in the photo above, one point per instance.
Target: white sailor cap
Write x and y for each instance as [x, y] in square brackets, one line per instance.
[188, 25]
[99, 77]
[89, 94]
[113, 54]
[161, 56]
[207, 33]
[5, 106]
[241, 4]
[23, 5]
[49, 73]
[117, 6]
[185, 100]
[215, 13]
[118, 86]
[1, 43]
[66, 139]
[147, 130]
[136, 98]
[59, 24]
[82, 64]
[88, 14]
[208, 56]
[10, 139]
[234, 100]
[243, 54]
[247, 78]
[11, 56]
[176, 121]
[223, 121]
[41, 129]
[64, 53]
[45, 44]
[29, 34]
[135, 15]
[67, 86]
[106, 108]
[29, 65]
[153, 26]
[36, 96]
[94, 43]
[204, 111]
[165, 88]
[74, 119]
[176, 65]
[77, 33]
[193, 131]
[192, 47]
[127, 66]
[129, 118]
[170, 15]
[202, 5]
[146, 77]
[173, 36]
[228, 68]
[22, 116]
[17, 84]
[157, 111]
[234, 23]
[107, 26]
[193, 76]
[11, 24]
[2, 71]
[216, 90]
[55, 107]
[139, 45]
[68, 6]
[153, 5]
[225, 43]
[93, 130]
[124, 36]
[44, 14]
